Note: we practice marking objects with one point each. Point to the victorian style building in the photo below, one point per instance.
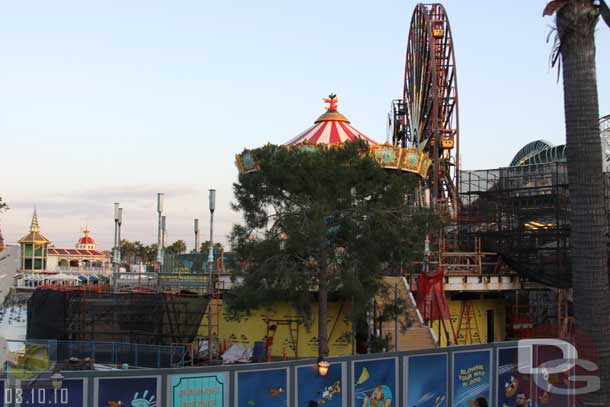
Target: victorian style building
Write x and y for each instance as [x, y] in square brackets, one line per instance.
[43, 263]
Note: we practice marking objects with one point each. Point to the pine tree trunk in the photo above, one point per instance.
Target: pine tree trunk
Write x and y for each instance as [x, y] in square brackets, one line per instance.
[323, 309]
[588, 222]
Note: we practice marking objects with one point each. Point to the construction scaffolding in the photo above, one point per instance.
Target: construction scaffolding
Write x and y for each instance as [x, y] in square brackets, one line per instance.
[138, 316]
[185, 272]
[521, 213]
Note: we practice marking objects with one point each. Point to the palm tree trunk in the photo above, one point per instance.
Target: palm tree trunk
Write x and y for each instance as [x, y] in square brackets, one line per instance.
[589, 223]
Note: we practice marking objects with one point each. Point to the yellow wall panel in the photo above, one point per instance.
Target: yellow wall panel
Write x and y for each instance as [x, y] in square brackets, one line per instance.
[478, 331]
[254, 328]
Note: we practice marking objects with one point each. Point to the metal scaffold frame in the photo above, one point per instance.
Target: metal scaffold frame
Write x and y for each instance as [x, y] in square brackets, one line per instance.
[523, 214]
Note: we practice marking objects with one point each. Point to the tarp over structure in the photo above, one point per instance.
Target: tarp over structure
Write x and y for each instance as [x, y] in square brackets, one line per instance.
[432, 303]
[134, 317]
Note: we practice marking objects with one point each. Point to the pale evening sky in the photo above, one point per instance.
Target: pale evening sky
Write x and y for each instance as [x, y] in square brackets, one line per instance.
[115, 101]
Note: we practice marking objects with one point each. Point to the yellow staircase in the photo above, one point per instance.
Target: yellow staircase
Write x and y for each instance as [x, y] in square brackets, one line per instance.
[417, 335]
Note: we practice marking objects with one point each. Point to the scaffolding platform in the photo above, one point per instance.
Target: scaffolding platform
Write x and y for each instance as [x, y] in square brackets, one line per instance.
[137, 316]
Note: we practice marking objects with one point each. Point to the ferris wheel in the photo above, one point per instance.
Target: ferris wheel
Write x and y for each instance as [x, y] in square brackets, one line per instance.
[427, 116]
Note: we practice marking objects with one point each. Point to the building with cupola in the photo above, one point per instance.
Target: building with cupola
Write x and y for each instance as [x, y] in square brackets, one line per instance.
[42, 263]
[39, 255]
[84, 256]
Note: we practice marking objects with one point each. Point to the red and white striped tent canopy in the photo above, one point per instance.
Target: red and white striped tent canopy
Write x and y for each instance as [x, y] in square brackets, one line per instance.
[330, 128]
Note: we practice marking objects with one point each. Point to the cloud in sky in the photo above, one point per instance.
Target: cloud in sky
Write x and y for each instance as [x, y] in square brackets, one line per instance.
[126, 193]
[63, 216]
[66, 203]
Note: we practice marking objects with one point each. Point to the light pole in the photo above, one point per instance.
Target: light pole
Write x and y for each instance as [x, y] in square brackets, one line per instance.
[115, 250]
[163, 235]
[210, 270]
[120, 222]
[159, 212]
[196, 236]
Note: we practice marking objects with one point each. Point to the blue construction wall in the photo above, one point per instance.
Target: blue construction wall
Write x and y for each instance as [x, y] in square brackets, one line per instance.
[453, 376]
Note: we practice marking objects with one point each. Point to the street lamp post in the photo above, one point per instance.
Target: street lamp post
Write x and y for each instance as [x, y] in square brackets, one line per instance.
[120, 222]
[196, 236]
[163, 235]
[115, 249]
[57, 380]
[210, 270]
[159, 212]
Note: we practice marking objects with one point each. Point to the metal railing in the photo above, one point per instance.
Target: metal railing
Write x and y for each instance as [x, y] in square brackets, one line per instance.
[84, 270]
[108, 353]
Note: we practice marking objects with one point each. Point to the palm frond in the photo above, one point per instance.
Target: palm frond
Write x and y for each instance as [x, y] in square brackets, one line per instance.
[553, 6]
[554, 58]
[604, 11]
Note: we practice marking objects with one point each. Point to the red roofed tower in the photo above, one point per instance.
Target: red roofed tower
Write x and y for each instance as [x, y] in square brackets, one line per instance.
[86, 242]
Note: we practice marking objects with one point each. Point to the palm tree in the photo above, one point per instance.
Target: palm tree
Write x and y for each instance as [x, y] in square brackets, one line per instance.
[127, 250]
[178, 247]
[575, 43]
[205, 247]
[139, 252]
[151, 253]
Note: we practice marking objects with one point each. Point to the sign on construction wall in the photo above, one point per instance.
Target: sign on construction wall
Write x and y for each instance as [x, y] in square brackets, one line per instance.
[263, 388]
[205, 390]
[471, 377]
[375, 382]
[128, 391]
[427, 380]
[330, 390]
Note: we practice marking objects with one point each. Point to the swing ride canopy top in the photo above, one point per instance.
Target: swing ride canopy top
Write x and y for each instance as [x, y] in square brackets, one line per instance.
[330, 128]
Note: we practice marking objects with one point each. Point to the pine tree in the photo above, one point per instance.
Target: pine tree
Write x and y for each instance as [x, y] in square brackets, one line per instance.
[320, 223]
